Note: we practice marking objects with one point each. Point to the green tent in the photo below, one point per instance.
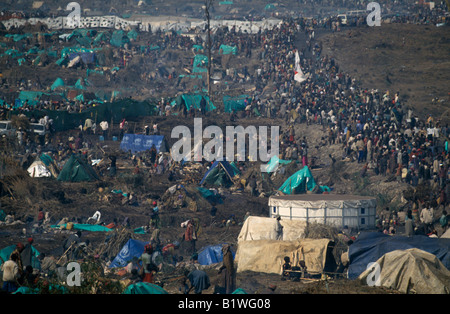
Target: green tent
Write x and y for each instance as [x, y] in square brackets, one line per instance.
[235, 103]
[77, 170]
[144, 288]
[58, 83]
[300, 182]
[221, 173]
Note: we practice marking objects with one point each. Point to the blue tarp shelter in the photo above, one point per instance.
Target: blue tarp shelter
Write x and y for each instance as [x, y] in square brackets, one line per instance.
[140, 142]
[133, 248]
[211, 254]
[370, 246]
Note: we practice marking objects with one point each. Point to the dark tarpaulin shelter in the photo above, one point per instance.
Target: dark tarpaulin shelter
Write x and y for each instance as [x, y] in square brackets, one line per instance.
[117, 110]
[77, 170]
[220, 173]
[370, 246]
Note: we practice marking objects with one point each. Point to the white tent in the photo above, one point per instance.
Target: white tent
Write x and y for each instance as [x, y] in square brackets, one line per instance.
[264, 242]
[267, 256]
[38, 170]
[265, 228]
[409, 271]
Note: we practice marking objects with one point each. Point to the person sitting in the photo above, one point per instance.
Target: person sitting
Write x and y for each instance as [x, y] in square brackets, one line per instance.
[286, 268]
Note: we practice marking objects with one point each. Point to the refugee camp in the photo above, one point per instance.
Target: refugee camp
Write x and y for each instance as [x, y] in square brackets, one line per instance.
[216, 148]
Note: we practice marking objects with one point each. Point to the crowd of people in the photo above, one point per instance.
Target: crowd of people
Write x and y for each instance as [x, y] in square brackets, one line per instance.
[372, 128]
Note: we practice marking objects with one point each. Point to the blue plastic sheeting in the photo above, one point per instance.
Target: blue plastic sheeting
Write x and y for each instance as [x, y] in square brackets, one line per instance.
[370, 246]
[211, 254]
[139, 142]
[133, 248]
[86, 57]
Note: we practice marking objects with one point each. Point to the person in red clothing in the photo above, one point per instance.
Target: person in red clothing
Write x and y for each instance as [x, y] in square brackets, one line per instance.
[41, 216]
[190, 236]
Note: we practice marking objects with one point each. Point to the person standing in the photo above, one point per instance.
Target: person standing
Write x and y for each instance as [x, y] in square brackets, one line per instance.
[147, 265]
[11, 274]
[229, 275]
[104, 126]
[409, 224]
[190, 235]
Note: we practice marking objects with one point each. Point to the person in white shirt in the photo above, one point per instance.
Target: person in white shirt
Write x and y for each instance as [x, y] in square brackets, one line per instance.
[104, 126]
[11, 274]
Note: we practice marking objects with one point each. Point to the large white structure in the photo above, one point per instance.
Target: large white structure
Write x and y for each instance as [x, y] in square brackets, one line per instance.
[353, 211]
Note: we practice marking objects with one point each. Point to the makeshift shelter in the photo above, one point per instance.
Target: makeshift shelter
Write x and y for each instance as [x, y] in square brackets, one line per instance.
[192, 101]
[331, 209]
[221, 173]
[267, 256]
[263, 243]
[211, 254]
[410, 271]
[58, 83]
[133, 248]
[265, 228]
[144, 288]
[44, 166]
[139, 142]
[38, 170]
[77, 170]
[370, 246]
[5, 253]
[235, 103]
[300, 182]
